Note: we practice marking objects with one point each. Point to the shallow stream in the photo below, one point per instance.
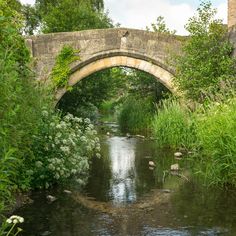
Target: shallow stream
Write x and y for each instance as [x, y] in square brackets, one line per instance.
[125, 197]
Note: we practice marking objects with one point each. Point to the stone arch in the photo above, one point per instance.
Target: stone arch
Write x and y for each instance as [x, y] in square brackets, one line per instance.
[80, 71]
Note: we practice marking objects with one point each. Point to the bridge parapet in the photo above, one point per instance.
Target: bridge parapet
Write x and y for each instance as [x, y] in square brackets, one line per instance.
[97, 44]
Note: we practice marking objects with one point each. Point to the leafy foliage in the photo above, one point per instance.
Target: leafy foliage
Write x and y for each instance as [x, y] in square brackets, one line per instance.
[31, 19]
[206, 60]
[20, 102]
[92, 91]
[61, 71]
[62, 149]
[160, 26]
[21, 117]
[74, 15]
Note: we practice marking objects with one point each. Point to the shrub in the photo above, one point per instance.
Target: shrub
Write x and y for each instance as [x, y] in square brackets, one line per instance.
[205, 61]
[173, 125]
[20, 106]
[62, 149]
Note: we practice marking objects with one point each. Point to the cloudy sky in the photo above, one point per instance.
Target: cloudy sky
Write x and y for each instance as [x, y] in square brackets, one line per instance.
[140, 13]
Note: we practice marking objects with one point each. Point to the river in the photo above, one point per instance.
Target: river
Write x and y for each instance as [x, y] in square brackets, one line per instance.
[124, 196]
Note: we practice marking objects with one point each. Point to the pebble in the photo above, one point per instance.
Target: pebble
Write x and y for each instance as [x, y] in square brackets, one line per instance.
[174, 167]
[178, 154]
[51, 198]
[67, 191]
[151, 163]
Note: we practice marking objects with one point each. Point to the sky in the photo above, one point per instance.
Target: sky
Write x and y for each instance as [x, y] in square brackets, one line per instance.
[141, 13]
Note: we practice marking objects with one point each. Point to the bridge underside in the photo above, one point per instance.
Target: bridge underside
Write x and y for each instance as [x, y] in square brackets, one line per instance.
[80, 72]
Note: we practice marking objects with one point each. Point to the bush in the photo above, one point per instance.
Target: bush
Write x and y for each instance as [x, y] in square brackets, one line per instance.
[205, 62]
[62, 149]
[216, 135]
[20, 106]
[173, 125]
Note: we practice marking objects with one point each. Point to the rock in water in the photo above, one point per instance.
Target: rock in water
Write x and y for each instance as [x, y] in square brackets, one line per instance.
[151, 163]
[178, 154]
[67, 191]
[174, 167]
[51, 198]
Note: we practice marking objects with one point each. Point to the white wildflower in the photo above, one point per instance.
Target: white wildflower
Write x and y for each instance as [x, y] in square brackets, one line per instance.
[38, 164]
[45, 113]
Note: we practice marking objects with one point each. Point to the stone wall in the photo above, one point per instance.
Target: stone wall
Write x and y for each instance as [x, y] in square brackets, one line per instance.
[97, 44]
[231, 13]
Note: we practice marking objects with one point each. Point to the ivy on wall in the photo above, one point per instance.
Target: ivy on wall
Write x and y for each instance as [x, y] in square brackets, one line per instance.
[61, 71]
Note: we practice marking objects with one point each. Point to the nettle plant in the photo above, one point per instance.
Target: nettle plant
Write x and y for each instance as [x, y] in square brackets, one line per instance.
[63, 149]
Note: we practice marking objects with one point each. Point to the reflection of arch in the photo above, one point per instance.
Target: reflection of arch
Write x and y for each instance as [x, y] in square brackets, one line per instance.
[86, 69]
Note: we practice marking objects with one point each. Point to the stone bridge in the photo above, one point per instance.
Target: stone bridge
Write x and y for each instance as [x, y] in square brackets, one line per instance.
[106, 48]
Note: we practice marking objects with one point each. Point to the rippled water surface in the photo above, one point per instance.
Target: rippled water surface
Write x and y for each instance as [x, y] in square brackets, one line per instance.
[124, 197]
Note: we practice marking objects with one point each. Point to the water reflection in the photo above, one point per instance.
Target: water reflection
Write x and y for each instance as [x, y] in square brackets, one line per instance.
[122, 183]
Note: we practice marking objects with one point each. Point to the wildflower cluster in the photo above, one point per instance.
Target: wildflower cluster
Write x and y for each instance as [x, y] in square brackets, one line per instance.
[63, 149]
[15, 219]
[9, 226]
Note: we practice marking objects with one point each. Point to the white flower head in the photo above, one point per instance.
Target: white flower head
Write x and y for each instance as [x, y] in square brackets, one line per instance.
[38, 164]
[15, 219]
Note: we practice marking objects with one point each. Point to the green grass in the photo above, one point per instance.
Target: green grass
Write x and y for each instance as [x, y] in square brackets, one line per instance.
[216, 135]
[173, 125]
[136, 115]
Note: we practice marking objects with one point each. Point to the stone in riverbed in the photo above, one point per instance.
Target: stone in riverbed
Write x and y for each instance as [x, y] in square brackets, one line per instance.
[51, 198]
[151, 164]
[174, 167]
[67, 191]
[178, 154]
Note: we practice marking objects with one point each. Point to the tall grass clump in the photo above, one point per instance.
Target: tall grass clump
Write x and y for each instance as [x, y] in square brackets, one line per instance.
[135, 115]
[216, 135]
[173, 125]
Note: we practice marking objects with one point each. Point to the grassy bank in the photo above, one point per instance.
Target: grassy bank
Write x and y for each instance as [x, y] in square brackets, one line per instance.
[210, 131]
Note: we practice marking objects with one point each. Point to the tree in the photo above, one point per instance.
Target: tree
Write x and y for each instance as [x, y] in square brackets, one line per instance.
[32, 19]
[206, 60]
[95, 89]
[160, 26]
[74, 15]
